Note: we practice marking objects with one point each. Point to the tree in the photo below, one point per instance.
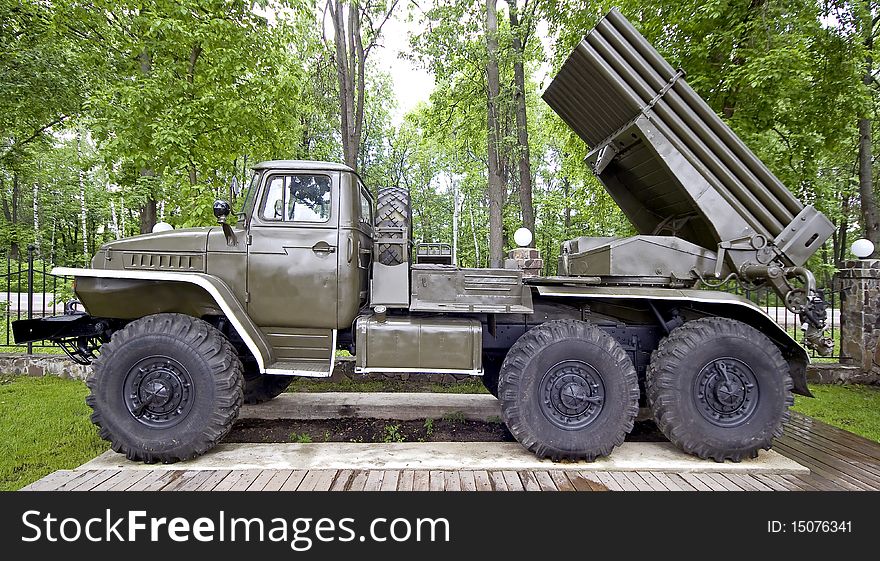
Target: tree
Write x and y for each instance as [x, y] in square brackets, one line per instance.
[493, 126]
[354, 35]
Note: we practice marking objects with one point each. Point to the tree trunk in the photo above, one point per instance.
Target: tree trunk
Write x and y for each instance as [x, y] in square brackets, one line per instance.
[566, 192]
[496, 182]
[522, 131]
[148, 211]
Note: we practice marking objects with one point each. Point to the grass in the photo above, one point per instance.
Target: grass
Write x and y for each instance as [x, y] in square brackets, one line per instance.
[852, 408]
[44, 427]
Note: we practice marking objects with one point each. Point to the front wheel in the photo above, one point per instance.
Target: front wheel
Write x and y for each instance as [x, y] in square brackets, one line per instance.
[719, 389]
[166, 388]
[568, 391]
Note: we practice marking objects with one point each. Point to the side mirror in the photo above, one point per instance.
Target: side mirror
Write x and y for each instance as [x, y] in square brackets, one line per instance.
[221, 210]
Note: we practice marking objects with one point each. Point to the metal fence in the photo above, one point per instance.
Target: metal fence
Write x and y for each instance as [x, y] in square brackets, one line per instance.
[774, 306]
[30, 291]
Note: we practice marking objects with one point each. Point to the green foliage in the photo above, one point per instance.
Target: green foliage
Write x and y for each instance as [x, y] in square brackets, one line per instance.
[301, 438]
[392, 433]
[429, 427]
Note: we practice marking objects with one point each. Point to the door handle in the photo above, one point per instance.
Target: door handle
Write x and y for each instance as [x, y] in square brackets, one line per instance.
[323, 247]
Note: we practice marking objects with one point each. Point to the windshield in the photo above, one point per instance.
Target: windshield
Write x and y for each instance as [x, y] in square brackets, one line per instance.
[247, 205]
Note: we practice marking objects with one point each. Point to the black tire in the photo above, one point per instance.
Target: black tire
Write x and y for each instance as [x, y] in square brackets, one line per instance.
[260, 388]
[166, 388]
[568, 391]
[719, 389]
[393, 211]
[491, 370]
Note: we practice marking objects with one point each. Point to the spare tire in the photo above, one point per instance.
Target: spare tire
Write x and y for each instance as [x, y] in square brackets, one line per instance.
[393, 211]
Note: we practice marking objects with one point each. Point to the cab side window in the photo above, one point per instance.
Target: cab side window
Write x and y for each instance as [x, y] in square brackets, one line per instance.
[297, 198]
[366, 207]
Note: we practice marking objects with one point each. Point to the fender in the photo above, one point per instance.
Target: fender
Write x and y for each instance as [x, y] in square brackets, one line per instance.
[214, 287]
[722, 304]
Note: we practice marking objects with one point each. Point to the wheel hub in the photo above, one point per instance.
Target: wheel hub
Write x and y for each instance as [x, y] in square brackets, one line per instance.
[726, 392]
[572, 394]
[158, 391]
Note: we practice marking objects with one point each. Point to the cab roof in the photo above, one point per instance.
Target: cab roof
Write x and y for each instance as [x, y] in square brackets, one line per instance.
[309, 165]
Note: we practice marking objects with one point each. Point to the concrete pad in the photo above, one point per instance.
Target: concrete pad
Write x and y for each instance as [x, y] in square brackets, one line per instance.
[398, 406]
[631, 456]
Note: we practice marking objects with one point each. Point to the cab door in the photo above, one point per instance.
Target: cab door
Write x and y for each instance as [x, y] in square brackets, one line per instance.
[292, 269]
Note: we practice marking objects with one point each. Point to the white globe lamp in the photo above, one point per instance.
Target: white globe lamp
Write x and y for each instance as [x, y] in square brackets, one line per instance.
[862, 248]
[162, 227]
[522, 237]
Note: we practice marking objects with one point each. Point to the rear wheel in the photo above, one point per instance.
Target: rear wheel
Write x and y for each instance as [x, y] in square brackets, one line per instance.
[393, 211]
[719, 389]
[568, 391]
[167, 387]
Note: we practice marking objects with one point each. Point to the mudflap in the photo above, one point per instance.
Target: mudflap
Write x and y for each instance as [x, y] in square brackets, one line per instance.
[797, 365]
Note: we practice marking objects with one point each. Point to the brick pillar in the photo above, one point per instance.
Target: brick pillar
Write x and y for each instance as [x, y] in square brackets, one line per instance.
[526, 258]
[860, 314]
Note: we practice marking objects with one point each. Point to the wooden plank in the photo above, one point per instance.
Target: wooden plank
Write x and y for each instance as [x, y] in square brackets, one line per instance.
[637, 480]
[511, 478]
[696, 483]
[798, 483]
[652, 481]
[215, 477]
[681, 482]
[710, 482]
[436, 481]
[149, 478]
[102, 476]
[746, 483]
[325, 479]
[231, 479]
[836, 434]
[261, 480]
[858, 457]
[193, 483]
[389, 481]
[452, 481]
[342, 479]
[609, 482]
[109, 482]
[560, 480]
[666, 481]
[167, 477]
[406, 480]
[51, 481]
[482, 481]
[529, 481]
[374, 480]
[248, 477]
[308, 482]
[577, 481]
[496, 478]
[293, 482]
[823, 483]
[468, 482]
[358, 481]
[184, 477]
[80, 477]
[724, 481]
[821, 469]
[623, 481]
[131, 477]
[279, 477]
[824, 462]
[774, 482]
[421, 480]
[544, 480]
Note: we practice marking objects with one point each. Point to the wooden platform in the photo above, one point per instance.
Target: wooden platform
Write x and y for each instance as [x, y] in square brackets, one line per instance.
[838, 461]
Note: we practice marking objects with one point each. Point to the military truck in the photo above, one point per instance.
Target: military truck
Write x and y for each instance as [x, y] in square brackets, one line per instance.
[184, 326]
